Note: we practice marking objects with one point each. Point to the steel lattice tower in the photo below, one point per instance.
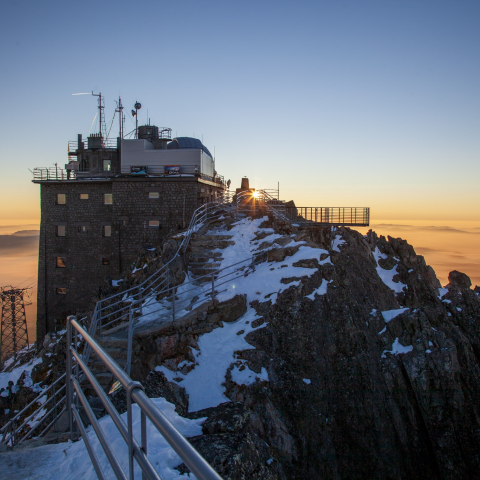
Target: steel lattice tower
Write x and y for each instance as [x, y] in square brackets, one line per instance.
[14, 335]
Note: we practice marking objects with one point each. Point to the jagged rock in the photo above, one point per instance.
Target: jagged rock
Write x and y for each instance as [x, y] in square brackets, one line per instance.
[231, 417]
[232, 309]
[387, 263]
[309, 263]
[237, 457]
[459, 280]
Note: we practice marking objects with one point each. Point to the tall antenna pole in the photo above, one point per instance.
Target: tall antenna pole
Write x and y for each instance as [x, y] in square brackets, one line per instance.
[121, 118]
[14, 334]
[101, 106]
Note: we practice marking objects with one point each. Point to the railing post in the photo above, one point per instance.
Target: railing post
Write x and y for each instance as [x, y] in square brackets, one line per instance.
[143, 426]
[130, 340]
[173, 303]
[213, 285]
[67, 377]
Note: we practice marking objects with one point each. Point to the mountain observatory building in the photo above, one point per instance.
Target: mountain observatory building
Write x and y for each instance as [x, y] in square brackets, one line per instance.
[113, 199]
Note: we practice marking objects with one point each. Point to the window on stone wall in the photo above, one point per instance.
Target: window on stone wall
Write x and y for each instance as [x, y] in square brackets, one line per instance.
[61, 230]
[153, 194]
[107, 231]
[105, 261]
[154, 223]
[61, 198]
[107, 198]
[82, 229]
[107, 165]
[60, 262]
[61, 291]
[84, 196]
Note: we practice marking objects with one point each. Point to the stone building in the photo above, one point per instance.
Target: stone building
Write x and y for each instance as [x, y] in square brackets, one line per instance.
[111, 202]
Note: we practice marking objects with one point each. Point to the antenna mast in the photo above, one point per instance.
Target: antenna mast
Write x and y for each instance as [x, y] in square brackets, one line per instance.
[121, 117]
[101, 118]
[14, 334]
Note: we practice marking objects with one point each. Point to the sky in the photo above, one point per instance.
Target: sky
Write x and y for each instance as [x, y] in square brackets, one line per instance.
[341, 103]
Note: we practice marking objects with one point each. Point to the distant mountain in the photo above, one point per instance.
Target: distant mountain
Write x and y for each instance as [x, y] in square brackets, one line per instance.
[26, 233]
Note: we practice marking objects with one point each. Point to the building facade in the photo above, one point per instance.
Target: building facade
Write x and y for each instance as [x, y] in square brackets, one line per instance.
[108, 205]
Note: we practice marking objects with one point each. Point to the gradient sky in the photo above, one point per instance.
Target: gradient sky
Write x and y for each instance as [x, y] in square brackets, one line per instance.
[345, 103]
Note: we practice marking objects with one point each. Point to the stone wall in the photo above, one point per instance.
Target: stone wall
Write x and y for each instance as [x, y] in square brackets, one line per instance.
[91, 258]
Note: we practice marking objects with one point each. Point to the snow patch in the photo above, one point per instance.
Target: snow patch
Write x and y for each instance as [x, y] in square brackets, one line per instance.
[307, 381]
[397, 348]
[387, 275]
[391, 314]
[15, 374]
[321, 290]
[204, 384]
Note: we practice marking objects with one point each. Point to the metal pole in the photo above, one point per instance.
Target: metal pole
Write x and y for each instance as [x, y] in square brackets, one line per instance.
[130, 340]
[173, 303]
[143, 424]
[67, 378]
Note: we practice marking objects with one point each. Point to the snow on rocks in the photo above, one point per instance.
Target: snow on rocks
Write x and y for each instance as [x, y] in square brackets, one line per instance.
[15, 374]
[397, 348]
[391, 314]
[204, 384]
[321, 290]
[387, 275]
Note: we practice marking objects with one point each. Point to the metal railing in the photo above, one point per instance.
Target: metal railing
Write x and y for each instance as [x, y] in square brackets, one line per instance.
[62, 174]
[108, 143]
[137, 449]
[17, 430]
[347, 216]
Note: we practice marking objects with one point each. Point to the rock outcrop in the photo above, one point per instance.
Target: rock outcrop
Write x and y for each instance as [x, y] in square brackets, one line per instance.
[379, 377]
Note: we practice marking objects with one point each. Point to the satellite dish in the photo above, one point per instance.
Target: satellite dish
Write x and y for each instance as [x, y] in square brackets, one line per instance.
[138, 105]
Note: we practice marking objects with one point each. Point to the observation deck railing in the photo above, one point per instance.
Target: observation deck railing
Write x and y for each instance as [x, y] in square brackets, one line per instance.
[341, 216]
[61, 174]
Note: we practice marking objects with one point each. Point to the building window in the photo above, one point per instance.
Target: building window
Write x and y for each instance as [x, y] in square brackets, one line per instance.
[107, 165]
[154, 223]
[107, 231]
[153, 194]
[61, 291]
[84, 196]
[107, 198]
[61, 230]
[60, 262]
[82, 229]
[61, 198]
[105, 261]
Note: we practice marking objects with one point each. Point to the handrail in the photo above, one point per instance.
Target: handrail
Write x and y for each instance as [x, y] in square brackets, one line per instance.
[10, 430]
[134, 392]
